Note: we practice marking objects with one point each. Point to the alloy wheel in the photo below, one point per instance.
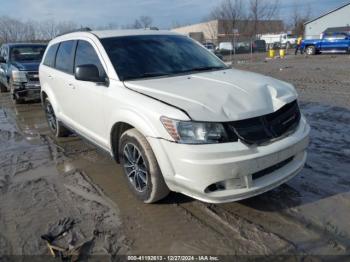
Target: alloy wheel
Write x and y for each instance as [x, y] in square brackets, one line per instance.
[135, 168]
[309, 51]
[51, 117]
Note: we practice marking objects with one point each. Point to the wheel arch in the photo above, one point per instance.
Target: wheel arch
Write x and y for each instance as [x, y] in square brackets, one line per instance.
[127, 119]
[116, 132]
[46, 93]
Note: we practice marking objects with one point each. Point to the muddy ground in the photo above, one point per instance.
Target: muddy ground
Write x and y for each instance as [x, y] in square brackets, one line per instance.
[43, 180]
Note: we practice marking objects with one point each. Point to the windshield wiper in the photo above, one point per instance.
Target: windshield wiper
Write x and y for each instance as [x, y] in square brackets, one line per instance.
[158, 74]
[204, 68]
[146, 75]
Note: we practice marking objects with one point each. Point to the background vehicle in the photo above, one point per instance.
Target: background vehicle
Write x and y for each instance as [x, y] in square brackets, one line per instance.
[209, 46]
[259, 46]
[284, 39]
[175, 116]
[225, 48]
[19, 65]
[330, 43]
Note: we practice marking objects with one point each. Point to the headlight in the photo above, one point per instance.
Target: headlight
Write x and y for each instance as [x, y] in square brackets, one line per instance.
[188, 132]
[19, 76]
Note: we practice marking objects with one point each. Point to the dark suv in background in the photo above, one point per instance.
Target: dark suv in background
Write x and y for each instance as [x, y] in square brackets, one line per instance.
[19, 66]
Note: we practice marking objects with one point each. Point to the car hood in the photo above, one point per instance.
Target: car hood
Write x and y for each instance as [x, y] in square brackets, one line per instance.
[26, 66]
[225, 95]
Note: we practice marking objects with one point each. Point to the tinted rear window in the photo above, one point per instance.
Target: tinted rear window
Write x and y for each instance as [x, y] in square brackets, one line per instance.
[50, 56]
[65, 56]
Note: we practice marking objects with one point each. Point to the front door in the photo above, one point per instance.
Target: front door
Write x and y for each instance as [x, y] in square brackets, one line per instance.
[89, 97]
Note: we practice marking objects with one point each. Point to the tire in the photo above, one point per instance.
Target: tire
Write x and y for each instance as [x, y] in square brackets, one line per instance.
[56, 127]
[310, 50]
[141, 168]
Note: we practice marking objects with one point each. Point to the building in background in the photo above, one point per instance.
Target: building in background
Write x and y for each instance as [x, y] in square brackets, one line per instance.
[217, 31]
[337, 18]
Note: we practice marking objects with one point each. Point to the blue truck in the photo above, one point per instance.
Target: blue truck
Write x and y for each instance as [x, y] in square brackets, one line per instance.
[19, 66]
[337, 42]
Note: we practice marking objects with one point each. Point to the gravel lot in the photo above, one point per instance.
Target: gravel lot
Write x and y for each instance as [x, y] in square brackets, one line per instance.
[43, 180]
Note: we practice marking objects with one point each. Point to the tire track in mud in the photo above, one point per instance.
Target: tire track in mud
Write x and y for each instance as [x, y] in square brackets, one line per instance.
[249, 232]
[244, 236]
[34, 195]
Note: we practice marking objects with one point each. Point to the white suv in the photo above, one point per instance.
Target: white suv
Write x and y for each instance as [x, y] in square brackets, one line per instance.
[173, 114]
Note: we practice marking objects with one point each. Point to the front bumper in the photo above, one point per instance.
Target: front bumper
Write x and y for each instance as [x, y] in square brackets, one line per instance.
[27, 91]
[231, 171]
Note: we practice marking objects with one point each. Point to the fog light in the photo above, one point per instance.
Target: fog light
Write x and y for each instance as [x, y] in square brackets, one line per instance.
[234, 183]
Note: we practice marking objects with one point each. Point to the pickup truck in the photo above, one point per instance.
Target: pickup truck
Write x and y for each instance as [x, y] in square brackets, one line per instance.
[329, 43]
[19, 66]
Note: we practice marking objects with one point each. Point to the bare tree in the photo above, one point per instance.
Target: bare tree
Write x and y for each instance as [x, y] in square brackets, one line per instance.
[232, 12]
[48, 29]
[141, 22]
[13, 30]
[146, 21]
[262, 10]
[299, 17]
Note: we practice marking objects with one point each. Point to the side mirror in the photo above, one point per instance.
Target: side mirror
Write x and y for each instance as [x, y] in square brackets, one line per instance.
[89, 73]
[2, 59]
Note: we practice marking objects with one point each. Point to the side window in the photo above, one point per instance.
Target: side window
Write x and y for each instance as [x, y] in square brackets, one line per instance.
[328, 36]
[50, 56]
[340, 36]
[86, 55]
[65, 55]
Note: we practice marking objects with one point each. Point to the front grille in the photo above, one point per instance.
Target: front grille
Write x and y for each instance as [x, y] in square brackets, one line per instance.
[271, 169]
[259, 130]
[33, 76]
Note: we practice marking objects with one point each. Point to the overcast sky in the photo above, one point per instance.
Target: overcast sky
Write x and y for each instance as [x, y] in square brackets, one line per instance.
[165, 13]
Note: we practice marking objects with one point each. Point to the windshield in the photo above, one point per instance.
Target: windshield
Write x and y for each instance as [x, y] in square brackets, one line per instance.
[27, 53]
[135, 57]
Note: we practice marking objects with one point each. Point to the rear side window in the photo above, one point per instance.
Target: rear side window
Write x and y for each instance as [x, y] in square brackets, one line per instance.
[65, 56]
[86, 55]
[50, 56]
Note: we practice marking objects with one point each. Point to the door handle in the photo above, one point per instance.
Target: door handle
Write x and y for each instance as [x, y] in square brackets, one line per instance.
[71, 85]
[50, 76]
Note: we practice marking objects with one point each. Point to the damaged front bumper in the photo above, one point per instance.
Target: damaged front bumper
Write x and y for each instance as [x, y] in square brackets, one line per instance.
[231, 171]
[27, 91]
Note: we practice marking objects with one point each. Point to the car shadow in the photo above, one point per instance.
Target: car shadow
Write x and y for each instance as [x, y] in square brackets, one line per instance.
[175, 198]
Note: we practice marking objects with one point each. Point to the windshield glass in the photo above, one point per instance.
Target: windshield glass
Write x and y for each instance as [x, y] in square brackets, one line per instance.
[27, 53]
[135, 57]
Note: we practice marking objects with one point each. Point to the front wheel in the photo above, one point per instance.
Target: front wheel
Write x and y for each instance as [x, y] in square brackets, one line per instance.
[310, 50]
[55, 126]
[141, 168]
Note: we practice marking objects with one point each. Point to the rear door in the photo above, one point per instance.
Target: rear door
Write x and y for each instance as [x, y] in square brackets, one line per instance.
[89, 97]
[63, 79]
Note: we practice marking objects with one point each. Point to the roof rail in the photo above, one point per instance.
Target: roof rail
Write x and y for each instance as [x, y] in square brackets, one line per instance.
[82, 29]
